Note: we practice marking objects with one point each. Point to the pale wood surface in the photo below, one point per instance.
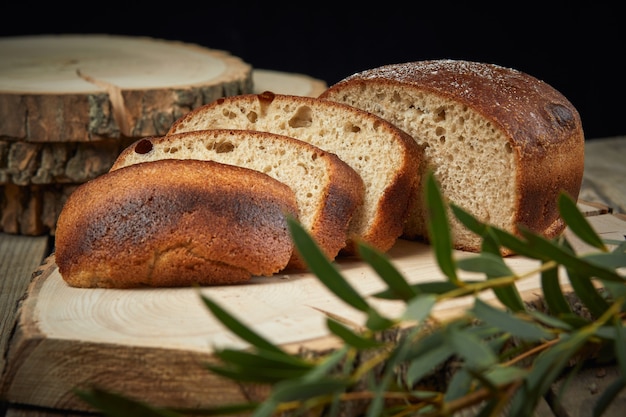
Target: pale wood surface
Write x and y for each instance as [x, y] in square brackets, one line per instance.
[287, 83]
[45, 349]
[604, 179]
[76, 88]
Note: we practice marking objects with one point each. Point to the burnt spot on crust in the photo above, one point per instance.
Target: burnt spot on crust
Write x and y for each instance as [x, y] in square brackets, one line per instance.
[561, 115]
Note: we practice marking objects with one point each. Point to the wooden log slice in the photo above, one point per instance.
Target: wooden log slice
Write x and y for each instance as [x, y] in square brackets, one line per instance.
[36, 163]
[77, 88]
[32, 210]
[287, 83]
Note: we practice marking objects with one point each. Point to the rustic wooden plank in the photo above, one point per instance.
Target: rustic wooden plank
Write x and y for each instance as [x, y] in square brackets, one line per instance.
[19, 257]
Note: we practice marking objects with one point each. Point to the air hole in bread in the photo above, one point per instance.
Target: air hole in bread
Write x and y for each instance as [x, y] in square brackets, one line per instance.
[229, 114]
[353, 128]
[440, 115]
[305, 169]
[171, 150]
[223, 147]
[252, 116]
[302, 118]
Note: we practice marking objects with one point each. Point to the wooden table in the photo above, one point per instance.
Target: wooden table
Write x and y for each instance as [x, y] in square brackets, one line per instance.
[603, 187]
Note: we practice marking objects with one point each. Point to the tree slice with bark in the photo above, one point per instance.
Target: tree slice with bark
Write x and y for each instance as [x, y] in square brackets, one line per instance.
[77, 88]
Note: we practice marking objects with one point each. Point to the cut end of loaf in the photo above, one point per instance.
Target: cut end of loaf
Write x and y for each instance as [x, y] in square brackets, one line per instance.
[501, 143]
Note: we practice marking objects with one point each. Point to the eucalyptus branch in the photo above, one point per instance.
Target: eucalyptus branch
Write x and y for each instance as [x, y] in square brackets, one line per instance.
[491, 358]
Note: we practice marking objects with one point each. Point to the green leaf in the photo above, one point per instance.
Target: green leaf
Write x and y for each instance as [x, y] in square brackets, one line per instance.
[349, 337]
[502, 375]
[255, 373]
[546, 369]
[117, 405]
[551, 321]
[496, 237]
[266, 409]
[565, 256]
[493, 266]
[238, 327]
[439, 229]
[426, 362]
[376, 322]
[587, 293]
[393, 278]
[474, 351]
[263, 358]
[508, 322]
[620, 344]
[468, 220]
[577, 222]
[432, 287]
[302, 390]
[487, 263]
[607, 260]
[323, 268]
[553, 295]
[419, 308]
[327, 364]
[459, 385]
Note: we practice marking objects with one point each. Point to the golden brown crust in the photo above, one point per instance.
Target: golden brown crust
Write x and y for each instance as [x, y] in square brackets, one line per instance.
[325, 186]
[319, 122]
[542, 127]
[174, 223]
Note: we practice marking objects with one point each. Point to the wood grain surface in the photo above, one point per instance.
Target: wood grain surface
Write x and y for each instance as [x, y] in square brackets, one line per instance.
[76, 88]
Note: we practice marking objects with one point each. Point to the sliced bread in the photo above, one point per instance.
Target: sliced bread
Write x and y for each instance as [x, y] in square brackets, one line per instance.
[501, 143]
[174, 223]
[386, 158]
[328, 190]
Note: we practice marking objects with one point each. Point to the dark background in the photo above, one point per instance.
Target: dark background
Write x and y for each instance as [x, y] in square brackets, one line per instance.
[578, 49]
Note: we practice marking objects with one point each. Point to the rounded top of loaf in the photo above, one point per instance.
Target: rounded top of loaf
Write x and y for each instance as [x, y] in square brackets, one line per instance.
[532, 110]
[174, 223]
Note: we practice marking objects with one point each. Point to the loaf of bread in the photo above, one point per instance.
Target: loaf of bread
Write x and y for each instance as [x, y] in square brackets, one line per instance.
[501, 143]
[385, 157]
[174, 223]
[328, 190]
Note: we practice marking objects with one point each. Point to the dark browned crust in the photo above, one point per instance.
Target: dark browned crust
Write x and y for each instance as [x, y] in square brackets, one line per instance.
[542, 126]
[174, 223]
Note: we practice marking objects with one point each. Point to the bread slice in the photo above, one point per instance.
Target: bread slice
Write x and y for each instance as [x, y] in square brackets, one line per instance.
[386, 158]
[174, 223]
[328, 190]
[502, 144]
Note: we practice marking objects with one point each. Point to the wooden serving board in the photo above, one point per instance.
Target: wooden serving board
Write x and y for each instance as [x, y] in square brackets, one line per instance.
[151, 344]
